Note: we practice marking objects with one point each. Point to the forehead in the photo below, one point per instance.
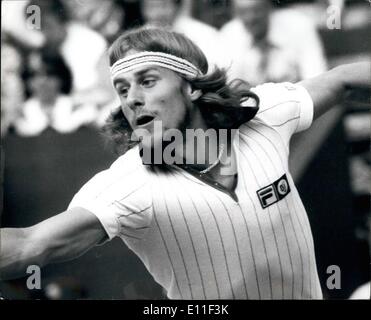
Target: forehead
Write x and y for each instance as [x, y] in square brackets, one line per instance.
[141, 71]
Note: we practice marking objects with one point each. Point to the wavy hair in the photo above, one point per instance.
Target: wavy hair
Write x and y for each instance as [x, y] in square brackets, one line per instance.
[220, 102]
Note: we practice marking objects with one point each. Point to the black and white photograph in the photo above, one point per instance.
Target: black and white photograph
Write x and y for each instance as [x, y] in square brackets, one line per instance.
[197, 150]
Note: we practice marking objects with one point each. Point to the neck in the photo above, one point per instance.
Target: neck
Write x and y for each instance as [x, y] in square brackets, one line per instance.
[204, 147]
[200, 144]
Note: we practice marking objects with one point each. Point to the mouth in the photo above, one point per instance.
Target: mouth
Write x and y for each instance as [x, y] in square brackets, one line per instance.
[144, 119]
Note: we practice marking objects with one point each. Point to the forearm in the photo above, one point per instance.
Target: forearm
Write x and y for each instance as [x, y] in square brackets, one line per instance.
[327, 89]
[16, 253]
[60, 238]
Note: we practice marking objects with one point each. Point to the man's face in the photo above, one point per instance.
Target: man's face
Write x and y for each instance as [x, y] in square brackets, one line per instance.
[152, 95]
[255, 16]
[160, 13]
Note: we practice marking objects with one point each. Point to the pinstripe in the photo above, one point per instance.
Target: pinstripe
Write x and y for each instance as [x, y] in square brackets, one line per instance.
[309, 242]
[304, 234]
[236, 242]
[241, 176]
[193, 246]
[169, 257]
[249, 237]
[260, 230]
[312, 245]
[208, 249]
[290, 215]
[299, 247]
[221, 240]
[179, 248]
[275, 133]
[251, 247]
[309, 258]
[208, 246]
[274, 231]
[185, 174]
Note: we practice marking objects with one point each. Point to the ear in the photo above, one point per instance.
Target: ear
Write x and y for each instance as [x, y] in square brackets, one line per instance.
[192, 93]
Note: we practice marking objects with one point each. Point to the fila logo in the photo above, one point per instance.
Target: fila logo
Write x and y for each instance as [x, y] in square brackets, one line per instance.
[274, 192]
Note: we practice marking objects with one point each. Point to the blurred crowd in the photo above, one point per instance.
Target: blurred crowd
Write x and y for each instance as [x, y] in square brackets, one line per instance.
[54, 70]
[55, 66]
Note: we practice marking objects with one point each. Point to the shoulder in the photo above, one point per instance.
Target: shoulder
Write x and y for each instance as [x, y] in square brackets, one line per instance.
[278, 93]
[120, 197]
[280, 103]
[128, 161]
[123, 176]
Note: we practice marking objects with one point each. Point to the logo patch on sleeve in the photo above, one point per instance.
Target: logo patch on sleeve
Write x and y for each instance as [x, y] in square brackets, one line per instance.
[274, 192]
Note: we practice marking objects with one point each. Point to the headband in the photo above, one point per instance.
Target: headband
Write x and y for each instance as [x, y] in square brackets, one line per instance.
[161, 59]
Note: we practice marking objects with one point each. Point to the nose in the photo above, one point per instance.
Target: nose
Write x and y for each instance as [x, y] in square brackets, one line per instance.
[135, 98]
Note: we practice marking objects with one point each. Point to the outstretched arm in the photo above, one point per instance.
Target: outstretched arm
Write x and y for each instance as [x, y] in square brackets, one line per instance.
[328, 89]
[62, 237]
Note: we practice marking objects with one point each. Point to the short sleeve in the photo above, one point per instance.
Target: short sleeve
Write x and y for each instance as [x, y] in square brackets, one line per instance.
[119, 197]
[286, 107]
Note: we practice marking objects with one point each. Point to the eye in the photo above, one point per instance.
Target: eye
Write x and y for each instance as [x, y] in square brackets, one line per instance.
[123, 91]
[148, 82]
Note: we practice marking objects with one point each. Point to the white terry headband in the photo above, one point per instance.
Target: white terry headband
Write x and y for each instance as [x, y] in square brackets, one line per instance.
[161, 59]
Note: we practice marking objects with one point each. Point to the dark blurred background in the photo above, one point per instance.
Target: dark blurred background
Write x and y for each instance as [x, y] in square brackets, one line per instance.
[56, 95]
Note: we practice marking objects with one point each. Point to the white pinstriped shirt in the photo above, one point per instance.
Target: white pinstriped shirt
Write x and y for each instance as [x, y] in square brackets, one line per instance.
[197, 241]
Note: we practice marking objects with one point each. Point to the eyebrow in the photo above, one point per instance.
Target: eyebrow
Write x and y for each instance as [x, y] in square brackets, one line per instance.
[137, 74]
[143, 71]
